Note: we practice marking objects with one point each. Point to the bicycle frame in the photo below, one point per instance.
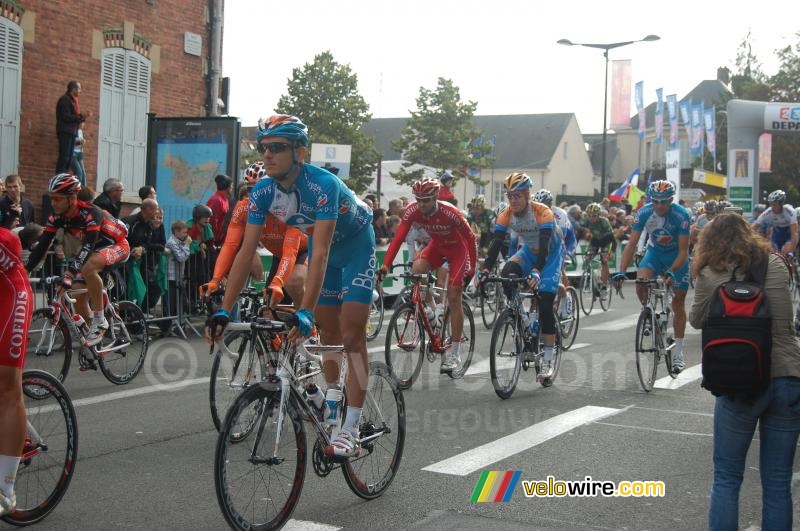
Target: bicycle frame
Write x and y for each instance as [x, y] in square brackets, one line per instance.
[659, 302]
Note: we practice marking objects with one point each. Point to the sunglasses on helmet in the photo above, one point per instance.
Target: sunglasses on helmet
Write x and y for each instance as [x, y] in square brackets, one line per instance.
[273, 147]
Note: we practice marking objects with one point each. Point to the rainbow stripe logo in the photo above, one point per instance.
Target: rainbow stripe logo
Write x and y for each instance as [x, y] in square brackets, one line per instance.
[494, 486]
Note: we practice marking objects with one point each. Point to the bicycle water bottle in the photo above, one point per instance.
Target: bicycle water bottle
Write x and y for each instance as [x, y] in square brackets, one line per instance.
[315, 396]
[534, 322]
[333, 398]
[431, 315]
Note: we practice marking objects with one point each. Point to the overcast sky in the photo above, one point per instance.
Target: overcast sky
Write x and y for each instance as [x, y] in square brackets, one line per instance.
[501, 53]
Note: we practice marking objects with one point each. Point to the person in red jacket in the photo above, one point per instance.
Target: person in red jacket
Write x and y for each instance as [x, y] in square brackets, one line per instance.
[453, 241]
[219, 203]
[446, 190]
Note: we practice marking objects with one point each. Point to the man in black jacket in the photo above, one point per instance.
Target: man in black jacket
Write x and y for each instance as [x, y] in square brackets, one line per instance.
[14, 204]
[140, 236]
[68, 117]
[110, 199]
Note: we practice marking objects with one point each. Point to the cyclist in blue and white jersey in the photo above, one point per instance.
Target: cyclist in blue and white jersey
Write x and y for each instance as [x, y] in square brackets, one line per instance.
[667, 254]
[545, 197]
[341, 248]
[781, 218]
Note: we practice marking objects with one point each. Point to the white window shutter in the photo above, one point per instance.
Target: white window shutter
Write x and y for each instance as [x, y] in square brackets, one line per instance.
[10, 88]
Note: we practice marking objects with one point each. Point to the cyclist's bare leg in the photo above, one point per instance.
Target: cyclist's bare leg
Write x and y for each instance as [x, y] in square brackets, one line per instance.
[456, 310]
[346, 325]
[82, 305]
[641, 289]
[257, 269]
[94, 284]
[604, 275]
[442, 274]
[423, 266]
[296, 283]
[679, 313]
[12, 412]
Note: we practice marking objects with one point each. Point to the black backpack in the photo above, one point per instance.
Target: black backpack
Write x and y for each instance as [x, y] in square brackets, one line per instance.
[737, 336]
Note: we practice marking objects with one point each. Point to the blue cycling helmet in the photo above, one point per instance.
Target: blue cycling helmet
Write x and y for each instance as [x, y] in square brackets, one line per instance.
[517, 181]
[289, 127]
[661, 190]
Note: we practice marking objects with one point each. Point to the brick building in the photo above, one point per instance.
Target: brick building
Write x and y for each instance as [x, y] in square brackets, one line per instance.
[130, 56]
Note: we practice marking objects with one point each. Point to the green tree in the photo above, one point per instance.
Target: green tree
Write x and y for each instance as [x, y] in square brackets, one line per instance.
[786, 148]
[324, 94]
[440, 134]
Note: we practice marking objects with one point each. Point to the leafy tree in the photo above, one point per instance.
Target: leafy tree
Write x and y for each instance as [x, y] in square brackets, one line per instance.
[324, 94]
[440, 134]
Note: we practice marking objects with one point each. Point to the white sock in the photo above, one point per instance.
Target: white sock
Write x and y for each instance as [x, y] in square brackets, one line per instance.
[8, 473]
[456, 348]
[351, 420]
[97, 315]
[548, 352]
[678, 347]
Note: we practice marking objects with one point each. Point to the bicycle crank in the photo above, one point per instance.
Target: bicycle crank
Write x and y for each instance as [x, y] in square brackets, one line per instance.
[322, 463]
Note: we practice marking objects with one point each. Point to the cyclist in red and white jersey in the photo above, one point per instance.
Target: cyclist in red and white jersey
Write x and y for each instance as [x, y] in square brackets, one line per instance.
[104, 243]
[452, 240]
[16, 310]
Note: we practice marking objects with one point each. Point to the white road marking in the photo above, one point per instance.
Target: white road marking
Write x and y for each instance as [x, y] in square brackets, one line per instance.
[657, 430]
[305, 525]
[483, 456]
[372, 350]
[483, 366]
[687, 376]
[576, 346]
[616, 325]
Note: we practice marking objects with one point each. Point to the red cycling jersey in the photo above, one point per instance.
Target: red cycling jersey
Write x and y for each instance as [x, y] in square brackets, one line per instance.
[451, 239]
[16, 301]
[282, 241]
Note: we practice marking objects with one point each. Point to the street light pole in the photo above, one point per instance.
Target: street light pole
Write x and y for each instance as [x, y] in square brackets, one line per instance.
[606, 48]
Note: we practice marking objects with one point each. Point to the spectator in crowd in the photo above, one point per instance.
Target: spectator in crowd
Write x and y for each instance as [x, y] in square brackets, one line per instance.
[177, 249]
[446, 190]
[110, 199]
[605, 203]
[76, 165]
[68, 118]
[623, 232]
[575, 215]
[373, 199]
[404, 201]
[724, 245]
[14, 201]
[201, 258]
[395, 208]
[145, 250]
[29, 236]
[368, 202]
[147, 191]
[382, 235]
[219, 203]
[393, 222]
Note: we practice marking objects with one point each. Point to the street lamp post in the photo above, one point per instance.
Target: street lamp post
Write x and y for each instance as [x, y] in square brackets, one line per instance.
[606, 48]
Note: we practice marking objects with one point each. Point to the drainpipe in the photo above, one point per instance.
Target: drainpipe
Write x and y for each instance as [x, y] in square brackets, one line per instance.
[215, 51]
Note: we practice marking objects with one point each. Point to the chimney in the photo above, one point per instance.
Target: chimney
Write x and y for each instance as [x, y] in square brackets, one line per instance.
[724, 75]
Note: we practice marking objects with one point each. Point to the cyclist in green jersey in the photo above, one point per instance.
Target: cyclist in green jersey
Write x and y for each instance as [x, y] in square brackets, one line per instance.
[481, 221]
[597, 229]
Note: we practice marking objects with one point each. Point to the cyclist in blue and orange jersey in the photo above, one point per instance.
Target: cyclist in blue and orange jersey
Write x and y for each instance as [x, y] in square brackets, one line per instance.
[17, 300]
[451, 241]
[104, 242]
[667, 254]
[341, 270]
[539, 257]
[780, 218]
[545, 197]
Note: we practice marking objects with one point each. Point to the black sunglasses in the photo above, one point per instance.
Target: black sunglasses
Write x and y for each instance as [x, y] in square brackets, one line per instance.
[273, 147]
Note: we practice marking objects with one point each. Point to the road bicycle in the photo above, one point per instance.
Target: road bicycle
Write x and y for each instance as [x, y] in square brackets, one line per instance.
[57, 329]
[492, 300]
[50, 451]
[516, 345]
[653, 339]
[406, 343]
[591, 287]
[261, 452]
[376, 312]
[568, 316]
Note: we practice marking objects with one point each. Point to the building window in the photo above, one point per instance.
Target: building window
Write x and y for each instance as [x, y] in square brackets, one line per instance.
[480, 189]
[124, 103]
[565, 150]
[498, 193]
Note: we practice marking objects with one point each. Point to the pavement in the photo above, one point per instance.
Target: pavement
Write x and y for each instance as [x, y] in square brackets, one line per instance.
[146, 450]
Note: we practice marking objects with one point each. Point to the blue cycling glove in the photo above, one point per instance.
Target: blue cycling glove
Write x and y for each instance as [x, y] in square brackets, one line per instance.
[305, 321]
[618, 277]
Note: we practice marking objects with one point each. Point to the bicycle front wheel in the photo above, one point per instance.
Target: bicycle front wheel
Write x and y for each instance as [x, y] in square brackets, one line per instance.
[124, 346]
[587, 291]
[49, 344]
[605, 297]
[489, 308]
[382, 430]
[568, 317]
[468, 340]
[505, 354]
[51, 448]
[258, 483]
[646, 349]
[405, 344]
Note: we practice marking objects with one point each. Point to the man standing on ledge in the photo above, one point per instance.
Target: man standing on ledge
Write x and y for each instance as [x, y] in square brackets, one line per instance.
[68, 117]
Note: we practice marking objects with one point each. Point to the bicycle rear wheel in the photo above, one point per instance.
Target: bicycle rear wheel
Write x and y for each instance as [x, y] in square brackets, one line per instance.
[48, 462]
[646, 349]
[568, 317]
[231, 374]
[505, 354]
[123, 348]
[375, 321]
[382, 429]
[405, 344]
[469, 344]
[556, 361]
[257, 485]
[49, 344]
[587, 291]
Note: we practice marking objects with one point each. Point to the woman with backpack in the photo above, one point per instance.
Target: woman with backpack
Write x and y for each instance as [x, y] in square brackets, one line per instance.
[726, 244]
